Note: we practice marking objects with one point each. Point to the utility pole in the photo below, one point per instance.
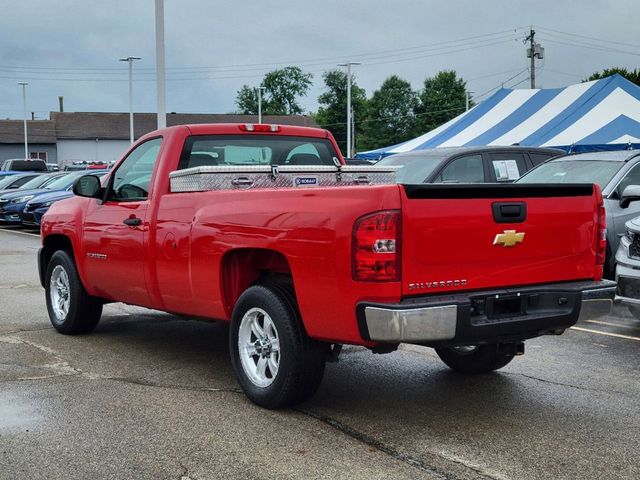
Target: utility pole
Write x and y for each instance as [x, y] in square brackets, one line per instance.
[130, 60]
[24, 106]
[260, 89]
[534, 51]
[467, 100]
[160, 76]
[348, 65]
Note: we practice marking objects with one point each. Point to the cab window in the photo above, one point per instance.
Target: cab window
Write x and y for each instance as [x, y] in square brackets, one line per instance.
[132, 178]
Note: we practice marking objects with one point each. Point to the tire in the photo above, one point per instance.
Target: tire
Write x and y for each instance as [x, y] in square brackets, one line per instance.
[266, 317]
[480, 359]
[71, 309]
[635, 311]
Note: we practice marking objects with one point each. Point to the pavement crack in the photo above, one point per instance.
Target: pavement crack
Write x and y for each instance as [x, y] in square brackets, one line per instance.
[193, 388]
[562, 384]
[404, 457]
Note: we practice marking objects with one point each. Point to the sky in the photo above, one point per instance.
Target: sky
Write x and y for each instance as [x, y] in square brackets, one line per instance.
[213, 48]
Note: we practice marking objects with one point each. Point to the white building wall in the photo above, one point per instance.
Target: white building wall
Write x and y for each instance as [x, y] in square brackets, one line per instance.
[91, 150]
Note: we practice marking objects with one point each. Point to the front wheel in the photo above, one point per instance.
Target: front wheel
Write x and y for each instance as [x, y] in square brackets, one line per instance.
[276, 363]
[474, 358]
[71, 309]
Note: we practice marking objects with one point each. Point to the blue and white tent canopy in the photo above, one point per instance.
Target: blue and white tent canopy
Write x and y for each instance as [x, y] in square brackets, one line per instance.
[599, 115]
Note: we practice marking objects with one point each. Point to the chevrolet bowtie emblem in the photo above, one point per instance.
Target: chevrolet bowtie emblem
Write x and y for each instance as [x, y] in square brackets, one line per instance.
[509, 238]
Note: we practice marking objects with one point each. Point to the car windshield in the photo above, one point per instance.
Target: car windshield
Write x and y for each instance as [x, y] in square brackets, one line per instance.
[64, 182]
[8, 180]
[415, 169]
[573, 171]
[39, 181]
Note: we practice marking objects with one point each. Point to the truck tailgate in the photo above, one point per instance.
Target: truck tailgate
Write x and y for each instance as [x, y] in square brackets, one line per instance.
[468, 237]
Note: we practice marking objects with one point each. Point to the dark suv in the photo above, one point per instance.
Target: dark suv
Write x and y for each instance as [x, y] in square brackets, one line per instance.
[28, 165]
[468, 164]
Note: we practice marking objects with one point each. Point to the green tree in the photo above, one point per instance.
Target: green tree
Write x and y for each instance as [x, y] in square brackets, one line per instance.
[282, 88]
[442, 98]
[631, 75]
[390, 115]
[332, 113]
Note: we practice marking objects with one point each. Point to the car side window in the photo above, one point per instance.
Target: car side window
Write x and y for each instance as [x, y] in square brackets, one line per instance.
[132, 178]
[507, 166]
[468, 169]
[631, 178]
[538, 158]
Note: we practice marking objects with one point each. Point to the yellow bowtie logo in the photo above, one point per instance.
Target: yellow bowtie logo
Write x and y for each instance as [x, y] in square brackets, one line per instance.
[509, 238]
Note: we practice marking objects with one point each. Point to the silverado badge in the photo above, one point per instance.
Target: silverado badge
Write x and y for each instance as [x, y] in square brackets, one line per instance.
[508, 238]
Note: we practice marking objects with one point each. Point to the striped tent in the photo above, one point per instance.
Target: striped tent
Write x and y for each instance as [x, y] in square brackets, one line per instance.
[599, 115]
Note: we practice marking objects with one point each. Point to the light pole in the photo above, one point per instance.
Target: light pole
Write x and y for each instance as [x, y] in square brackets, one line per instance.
[348, 65]
[130, 60]
[24, 106]
[160, 78]
[260, 89]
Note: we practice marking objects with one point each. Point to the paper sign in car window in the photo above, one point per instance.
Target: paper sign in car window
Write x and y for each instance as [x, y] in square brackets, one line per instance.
[506, 170]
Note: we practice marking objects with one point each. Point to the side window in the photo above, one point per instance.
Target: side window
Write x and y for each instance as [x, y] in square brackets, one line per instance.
[538, 158]
[467, 169]
[133, 176]
[507, 166]
[631, 178]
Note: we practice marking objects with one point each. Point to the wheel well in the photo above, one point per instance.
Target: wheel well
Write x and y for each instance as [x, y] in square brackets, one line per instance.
[244, 267]
[50, 245]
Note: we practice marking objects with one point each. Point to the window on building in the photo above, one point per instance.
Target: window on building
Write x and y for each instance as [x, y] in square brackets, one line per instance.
[38, 155]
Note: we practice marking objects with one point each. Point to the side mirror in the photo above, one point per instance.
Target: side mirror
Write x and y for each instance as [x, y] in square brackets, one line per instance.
[629, 194]
[87, 186]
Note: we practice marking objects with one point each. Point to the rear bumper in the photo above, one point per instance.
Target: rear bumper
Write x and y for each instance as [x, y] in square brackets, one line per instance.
[503, 315]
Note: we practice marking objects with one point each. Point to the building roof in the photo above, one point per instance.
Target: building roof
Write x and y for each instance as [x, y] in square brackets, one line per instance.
[38, 131]
[115, 126]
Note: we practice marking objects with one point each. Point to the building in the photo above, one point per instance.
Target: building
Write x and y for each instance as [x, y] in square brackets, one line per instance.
[102, 136]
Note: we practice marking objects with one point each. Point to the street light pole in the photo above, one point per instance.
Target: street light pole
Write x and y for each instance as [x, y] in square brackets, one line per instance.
[160, 76]
[260, 89]
[348, 65]
[24, 106]
[130, 60]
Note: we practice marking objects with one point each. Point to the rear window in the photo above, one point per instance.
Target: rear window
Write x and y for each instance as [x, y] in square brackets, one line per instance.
[573, 171]
[255, 150]
[27, 166]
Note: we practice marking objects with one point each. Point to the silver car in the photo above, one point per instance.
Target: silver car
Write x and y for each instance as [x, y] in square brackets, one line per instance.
[628, 267]
[614, 171]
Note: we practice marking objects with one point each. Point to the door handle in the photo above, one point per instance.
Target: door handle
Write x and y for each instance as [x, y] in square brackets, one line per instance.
[132, 221]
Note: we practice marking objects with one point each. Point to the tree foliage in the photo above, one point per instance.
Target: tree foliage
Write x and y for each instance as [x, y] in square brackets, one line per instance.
[442, 98]
[332, 113]
[631, 75]
[282, 88]
[391, 118]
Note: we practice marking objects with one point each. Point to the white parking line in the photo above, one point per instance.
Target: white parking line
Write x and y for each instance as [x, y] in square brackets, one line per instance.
[607, 334]
[611, 324]
[20, 233]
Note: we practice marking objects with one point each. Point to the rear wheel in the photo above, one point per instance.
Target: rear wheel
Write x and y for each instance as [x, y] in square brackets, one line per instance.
[474, 358]
[276, 363]
[71, 309]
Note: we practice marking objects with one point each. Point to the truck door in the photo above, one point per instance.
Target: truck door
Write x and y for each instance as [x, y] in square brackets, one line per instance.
[115, 232]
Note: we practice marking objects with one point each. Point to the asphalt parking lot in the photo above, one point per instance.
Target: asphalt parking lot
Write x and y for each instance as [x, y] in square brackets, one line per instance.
[150, 395]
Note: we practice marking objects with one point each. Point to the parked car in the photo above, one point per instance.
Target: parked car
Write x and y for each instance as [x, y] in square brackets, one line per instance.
[613, 172]
[11, 182]
[12, 204]
[35, 208]
[302, 257]
[39, 181]
[84, 165]
[53, 167]
[628, 267]
[24, 165]
[467, 164]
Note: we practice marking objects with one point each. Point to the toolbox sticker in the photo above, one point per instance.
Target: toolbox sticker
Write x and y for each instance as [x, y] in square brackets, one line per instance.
[306, 181]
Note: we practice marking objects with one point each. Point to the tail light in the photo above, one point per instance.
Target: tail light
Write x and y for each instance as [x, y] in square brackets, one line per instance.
[601, 235]
[376, 247]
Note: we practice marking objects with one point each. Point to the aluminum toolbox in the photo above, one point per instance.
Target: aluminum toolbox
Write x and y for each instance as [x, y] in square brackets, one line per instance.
[200, 179]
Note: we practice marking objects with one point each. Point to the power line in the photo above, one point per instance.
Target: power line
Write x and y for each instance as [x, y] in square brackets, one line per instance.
[587, 37]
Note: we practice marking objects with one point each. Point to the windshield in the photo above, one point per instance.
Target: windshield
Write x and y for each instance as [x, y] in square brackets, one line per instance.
[39, 181]
[415, 169]
[64, 182]
[8, 180]
[573, 171]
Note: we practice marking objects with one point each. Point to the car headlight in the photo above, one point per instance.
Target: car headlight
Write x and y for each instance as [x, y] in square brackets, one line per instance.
[45, 204]
[26, 198]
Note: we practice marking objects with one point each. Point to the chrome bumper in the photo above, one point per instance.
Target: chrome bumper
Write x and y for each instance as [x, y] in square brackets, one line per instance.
[452, 322]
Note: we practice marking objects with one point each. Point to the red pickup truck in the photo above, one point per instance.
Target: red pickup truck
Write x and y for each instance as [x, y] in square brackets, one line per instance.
[264, 227]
